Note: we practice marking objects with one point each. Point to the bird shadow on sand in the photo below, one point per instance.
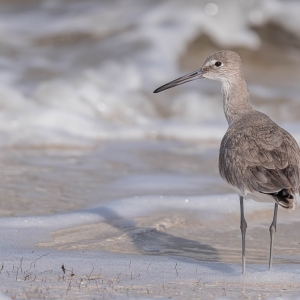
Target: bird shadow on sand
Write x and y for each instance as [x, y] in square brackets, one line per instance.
[151, 241]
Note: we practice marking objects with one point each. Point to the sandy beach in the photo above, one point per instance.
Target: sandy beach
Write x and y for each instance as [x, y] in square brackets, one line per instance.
[111, 192]
[182, 246]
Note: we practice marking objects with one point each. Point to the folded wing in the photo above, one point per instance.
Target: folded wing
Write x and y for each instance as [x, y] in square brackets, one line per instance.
[265, 160]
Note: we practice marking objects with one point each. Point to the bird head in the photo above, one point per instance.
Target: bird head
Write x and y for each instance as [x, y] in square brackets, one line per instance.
[221, 66]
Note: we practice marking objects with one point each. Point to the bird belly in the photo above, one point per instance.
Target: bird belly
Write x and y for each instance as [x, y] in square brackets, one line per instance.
[261, 197]
[256, 196]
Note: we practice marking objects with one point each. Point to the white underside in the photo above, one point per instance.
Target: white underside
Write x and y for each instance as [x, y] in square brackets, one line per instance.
[257, 196]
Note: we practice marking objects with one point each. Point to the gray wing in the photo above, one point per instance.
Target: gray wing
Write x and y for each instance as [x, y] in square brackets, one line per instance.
[264, 159]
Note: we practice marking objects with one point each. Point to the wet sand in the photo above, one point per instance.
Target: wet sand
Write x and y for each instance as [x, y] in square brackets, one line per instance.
[71, 207]
[41, 182]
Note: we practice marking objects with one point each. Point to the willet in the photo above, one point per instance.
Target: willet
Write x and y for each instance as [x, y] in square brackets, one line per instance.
[259, 159]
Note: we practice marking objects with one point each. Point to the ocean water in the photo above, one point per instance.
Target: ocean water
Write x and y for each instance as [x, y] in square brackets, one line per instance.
[74, 73]
[117, 184]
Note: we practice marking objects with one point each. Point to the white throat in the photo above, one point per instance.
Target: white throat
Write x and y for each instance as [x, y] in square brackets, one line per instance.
[235, 99]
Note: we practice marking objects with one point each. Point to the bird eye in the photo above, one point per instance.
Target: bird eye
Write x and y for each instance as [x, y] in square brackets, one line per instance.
[218, 64]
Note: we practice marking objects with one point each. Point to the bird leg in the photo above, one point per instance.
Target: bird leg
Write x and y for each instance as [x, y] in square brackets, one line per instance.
[272, 234]
[243, 230]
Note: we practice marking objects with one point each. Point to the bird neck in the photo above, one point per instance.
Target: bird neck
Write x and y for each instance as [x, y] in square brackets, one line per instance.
[235, 98]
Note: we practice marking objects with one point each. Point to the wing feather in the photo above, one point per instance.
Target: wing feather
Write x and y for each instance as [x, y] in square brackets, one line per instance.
[262, 158]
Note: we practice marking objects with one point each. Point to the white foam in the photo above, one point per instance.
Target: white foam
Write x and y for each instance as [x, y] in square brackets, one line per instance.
[42, 266]
[208, 207]
[86, 100]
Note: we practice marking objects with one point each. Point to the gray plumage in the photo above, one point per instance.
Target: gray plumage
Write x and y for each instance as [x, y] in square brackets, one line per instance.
[259, 159]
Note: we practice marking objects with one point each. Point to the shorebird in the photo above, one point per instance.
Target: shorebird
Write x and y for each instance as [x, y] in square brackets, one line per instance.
[259, 159]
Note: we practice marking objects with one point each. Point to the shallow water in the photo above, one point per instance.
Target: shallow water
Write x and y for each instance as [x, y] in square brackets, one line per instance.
[140, 202]
[40, 182]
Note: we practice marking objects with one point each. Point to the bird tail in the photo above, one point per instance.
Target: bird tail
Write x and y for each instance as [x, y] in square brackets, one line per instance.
[285, 198]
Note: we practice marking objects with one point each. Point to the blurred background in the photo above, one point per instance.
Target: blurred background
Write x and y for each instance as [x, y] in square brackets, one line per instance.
[81, 130]
[76, 83]
[75, 72]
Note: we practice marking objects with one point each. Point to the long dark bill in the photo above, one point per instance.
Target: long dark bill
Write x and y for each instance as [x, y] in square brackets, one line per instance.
[186, 78]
